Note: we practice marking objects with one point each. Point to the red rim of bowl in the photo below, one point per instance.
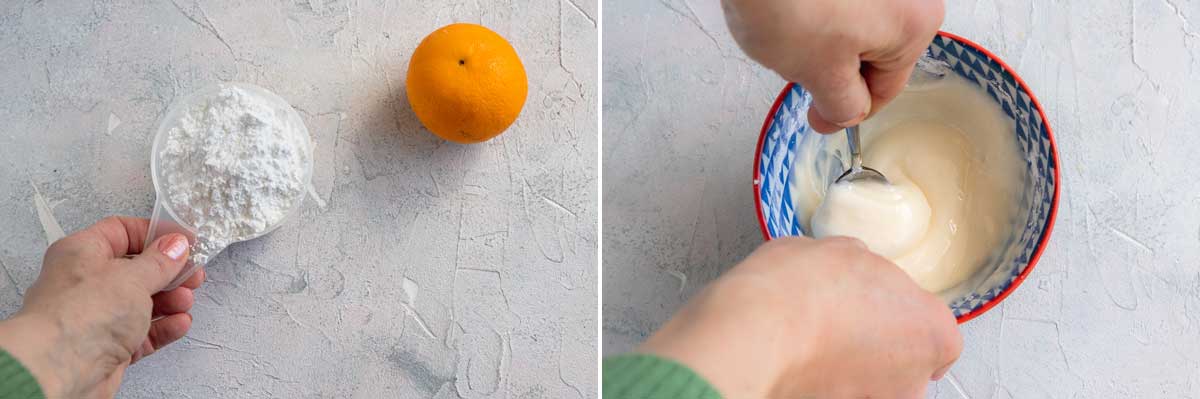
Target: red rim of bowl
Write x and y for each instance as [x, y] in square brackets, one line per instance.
[1037, 253]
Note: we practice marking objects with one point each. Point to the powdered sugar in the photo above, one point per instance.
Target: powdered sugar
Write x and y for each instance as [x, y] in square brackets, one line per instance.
[234, 167]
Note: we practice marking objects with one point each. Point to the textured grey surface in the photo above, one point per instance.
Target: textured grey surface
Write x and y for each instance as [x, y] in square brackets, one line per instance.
[432, 270]
[1110, 309]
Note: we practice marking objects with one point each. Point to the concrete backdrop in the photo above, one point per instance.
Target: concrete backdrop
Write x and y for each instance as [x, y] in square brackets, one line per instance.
[425, 269]
[1110, 311]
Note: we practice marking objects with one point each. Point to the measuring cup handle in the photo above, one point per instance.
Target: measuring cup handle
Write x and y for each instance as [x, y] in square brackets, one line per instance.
[161, 224]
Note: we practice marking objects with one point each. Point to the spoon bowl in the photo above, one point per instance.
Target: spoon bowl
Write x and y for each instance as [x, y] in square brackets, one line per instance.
[857, 172]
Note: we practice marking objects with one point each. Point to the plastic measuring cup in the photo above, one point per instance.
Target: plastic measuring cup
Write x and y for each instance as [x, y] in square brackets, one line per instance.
[165, 220]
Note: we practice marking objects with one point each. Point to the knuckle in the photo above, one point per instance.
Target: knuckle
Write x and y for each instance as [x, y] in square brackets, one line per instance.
[158, 260]
[71, 246]
[948, 346]
[945, 327]
[62, 245]
[97, 245]
[955, 344]
[936, 15]
[108, 220]
[923, 16]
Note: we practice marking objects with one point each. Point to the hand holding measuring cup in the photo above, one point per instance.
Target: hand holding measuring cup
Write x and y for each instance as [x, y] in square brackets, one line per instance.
[88, 315]
[231, 162]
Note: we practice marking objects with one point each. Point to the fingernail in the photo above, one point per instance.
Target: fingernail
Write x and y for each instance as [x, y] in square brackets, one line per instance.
[174, 247]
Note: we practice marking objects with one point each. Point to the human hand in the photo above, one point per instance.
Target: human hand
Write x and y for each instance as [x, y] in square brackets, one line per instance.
[803, 318]
[88, 315]
[854, 56]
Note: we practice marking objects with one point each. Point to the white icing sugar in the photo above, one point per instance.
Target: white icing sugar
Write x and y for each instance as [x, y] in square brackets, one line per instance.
[233, 168]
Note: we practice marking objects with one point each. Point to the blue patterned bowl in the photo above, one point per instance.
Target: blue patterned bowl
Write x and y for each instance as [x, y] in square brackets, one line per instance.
[787, 125]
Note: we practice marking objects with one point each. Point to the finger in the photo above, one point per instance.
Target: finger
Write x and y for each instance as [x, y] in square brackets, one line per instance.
[840, 96]
[949, 343]
[125, 235]
[951, 350]
[195, 280]
[160, 262]
[167, 331]
[888, 68]
[819, 124]
[179, 300]
[143, 350]
[939, 373]
[885, 82]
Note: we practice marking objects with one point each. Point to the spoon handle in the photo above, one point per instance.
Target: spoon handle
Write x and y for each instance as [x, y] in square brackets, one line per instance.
[855, 147]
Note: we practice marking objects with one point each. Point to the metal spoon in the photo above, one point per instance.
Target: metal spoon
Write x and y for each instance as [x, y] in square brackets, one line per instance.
[857, 171]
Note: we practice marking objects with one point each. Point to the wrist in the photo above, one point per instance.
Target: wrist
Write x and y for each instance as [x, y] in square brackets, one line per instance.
[30, 340]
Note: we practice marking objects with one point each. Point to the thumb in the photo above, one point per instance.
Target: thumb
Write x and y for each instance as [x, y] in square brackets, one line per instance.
[161, 261]
[840, 97]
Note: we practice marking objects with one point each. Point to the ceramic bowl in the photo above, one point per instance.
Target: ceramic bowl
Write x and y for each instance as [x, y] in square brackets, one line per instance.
[786, 126]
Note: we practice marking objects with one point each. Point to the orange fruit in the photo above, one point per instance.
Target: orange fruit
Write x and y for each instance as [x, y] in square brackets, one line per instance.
[466, 83]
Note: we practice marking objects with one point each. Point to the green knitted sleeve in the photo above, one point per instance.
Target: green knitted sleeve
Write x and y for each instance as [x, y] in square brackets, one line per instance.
[639, 376]
[15, 381]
